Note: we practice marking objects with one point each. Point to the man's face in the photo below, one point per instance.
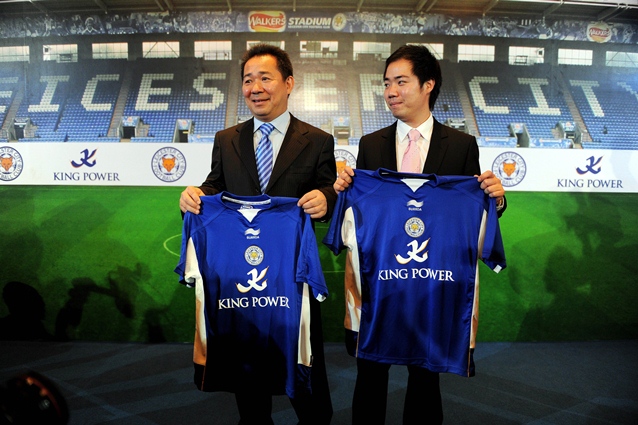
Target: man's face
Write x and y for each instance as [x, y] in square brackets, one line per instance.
[265, 91]
[407, 99]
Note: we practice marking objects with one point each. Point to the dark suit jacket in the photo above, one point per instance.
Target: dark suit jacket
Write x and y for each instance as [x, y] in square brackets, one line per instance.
[305, 162]
[451, 152]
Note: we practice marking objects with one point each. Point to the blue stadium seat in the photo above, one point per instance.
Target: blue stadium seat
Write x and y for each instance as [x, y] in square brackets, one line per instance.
[165, 90]
[607, 100]
[503, 94]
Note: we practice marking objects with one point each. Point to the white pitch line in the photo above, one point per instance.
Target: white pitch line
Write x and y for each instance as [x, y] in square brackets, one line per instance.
[179, 235]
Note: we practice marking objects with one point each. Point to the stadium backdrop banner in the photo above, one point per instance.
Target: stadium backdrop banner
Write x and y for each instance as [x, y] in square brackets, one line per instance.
[279, 21]
[157, 164]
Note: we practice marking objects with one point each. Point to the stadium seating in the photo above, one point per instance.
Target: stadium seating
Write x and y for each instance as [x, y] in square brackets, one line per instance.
[165, 90]
[374, 111]
[11, 75]
[502, 95]
[76, 102]
[90, 103]
[69, 102]
[607, 100]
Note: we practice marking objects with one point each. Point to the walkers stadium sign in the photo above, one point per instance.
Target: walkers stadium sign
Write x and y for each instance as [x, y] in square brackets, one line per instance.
[277, 21]
[267, 21]
[599, 32]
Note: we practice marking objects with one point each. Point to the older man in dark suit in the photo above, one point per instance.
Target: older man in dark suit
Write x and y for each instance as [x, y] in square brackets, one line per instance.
[301, 165]
[415, 143]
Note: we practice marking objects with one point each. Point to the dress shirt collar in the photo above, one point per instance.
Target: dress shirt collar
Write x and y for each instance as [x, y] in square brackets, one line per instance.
[280, 123]
[425, 129]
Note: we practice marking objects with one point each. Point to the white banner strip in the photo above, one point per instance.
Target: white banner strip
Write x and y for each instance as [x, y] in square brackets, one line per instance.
[184, 164]
[105, 164]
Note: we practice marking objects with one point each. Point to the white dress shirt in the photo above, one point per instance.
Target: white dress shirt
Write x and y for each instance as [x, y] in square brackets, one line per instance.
[423, 143]
[281, 124]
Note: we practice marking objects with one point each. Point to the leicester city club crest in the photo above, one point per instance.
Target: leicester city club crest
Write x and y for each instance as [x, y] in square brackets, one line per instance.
[414, 227]
[343, 158]
[10, 163]
[510, 168]
[254, 255]
[169, 165]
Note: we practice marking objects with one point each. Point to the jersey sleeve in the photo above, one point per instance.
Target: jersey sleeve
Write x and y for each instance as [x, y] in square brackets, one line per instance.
[309, 265]
[352, 279]
[333, 238]
[191, 276]
[344, 236]
[187, 267]
[491, 249]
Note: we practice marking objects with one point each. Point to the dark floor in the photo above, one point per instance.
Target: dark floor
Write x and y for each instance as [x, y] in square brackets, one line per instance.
[515, 383]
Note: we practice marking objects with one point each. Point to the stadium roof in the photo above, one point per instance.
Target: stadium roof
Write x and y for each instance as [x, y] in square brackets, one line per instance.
[600, 10]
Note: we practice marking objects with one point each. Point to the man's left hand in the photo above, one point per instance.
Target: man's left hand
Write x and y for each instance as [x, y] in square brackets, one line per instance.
[492, 186]
[314, 203]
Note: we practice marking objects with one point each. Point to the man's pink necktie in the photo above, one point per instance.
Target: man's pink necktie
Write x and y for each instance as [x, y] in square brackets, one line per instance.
[412, 158]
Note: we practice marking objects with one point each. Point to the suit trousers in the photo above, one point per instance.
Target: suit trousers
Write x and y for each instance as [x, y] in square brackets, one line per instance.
[422, 403]
[255, 407]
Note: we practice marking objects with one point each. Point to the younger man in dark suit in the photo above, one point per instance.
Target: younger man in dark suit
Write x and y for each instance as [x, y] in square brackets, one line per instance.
[412, 83]
[303, 166]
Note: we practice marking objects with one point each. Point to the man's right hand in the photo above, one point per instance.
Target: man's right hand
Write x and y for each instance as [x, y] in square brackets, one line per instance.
[189, 200]
[343, 180]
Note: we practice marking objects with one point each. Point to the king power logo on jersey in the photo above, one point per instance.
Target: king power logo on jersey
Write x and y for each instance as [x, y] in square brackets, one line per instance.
[254, 283]
[414, 227]
[257, 281]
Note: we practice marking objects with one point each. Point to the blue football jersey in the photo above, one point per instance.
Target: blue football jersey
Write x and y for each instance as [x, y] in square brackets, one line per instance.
[254, 263]
[412, 278]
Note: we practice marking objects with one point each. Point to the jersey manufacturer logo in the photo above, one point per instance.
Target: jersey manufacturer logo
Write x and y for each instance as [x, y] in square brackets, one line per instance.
[252, 232]
[414, 227]
[414, 205]
[254, 255]
[253, 282]
[10, 164]
[168, 164]
[510, 168]
[413, 254]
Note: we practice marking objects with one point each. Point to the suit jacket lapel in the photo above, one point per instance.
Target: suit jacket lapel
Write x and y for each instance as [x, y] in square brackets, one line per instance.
[294, 142]
[388, 151]
[436, 151]
[244, 145]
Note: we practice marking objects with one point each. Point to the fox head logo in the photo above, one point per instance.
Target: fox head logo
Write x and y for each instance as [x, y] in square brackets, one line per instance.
[6, 162]
[168, 162]
[509, 167]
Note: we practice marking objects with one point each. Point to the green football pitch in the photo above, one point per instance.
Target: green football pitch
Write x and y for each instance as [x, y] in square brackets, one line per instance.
[101, 259]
